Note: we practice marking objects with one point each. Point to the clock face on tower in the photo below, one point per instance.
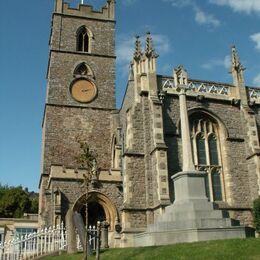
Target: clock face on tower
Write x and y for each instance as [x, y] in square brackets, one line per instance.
[83, 90]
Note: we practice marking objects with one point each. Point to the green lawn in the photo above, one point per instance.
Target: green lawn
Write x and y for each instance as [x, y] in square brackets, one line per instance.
[221, 249]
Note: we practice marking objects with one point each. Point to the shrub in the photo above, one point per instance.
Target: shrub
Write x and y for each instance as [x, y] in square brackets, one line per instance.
[256, 213]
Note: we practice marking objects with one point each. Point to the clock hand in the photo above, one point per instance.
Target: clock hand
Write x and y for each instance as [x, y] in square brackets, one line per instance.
[84, 90]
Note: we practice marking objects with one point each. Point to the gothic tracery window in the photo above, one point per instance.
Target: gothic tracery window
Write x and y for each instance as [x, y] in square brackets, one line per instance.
[81, 69]
[83, 40]
[84, 70]
[206, 153]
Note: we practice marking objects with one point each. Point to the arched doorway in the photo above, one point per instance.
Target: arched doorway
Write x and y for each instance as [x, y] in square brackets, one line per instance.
[100, 208]
[95, 213]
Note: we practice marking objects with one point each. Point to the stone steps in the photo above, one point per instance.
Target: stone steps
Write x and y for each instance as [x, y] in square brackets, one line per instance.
[191, 217]
[187, 235]
[191, 223]
[178, 216]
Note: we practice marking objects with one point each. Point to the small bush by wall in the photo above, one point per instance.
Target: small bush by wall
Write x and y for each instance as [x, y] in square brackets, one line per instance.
[256, 213]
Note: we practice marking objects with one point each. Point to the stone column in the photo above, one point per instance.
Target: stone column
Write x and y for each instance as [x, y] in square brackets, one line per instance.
[188, 184]
[187, 158]
[104, 234]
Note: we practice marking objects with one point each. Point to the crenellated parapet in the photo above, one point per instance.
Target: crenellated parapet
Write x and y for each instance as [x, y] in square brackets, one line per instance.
[83, 10]
[69, 173]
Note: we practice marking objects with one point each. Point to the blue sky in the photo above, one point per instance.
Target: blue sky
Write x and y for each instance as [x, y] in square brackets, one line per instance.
[197, 34]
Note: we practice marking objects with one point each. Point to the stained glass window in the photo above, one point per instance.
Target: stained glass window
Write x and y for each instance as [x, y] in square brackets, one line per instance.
[213, 150]
[201, 150]
[216, 183]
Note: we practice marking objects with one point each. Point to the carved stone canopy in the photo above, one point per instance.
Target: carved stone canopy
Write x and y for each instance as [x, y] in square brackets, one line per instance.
[180, 76]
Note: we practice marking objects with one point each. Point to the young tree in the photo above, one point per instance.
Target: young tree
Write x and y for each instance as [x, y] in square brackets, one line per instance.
[87, 160]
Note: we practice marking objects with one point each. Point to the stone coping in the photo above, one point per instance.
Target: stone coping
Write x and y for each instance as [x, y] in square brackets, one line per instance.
[188, 174]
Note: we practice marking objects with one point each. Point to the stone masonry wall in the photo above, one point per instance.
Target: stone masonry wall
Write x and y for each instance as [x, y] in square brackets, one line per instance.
[135, 182]
[65, 124]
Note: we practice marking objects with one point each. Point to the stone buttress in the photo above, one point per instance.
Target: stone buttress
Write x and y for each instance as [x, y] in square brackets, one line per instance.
[145, 174]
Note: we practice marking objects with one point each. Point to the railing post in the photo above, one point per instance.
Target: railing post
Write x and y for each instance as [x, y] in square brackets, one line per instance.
[93, 237]
[104, 234]
[49, 239]
[25, 245]
[41, 241]
[52, 241]
[1, 252]
[34, 243]
[37, 243]
[98, 240]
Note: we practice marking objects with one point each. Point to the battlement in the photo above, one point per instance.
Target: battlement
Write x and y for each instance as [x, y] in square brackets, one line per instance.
[71, 173]
[83, 10]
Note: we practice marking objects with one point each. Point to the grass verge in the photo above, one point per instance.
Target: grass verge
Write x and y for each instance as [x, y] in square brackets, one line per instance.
[248, 249]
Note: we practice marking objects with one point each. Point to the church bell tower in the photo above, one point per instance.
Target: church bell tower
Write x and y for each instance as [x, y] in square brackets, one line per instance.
[80, 101]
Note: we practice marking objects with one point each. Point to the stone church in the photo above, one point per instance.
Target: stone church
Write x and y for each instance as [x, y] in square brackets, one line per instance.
[166, 125]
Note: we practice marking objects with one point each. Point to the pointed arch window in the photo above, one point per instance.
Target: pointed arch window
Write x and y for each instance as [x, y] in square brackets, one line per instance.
[206, 153]
[83, 40]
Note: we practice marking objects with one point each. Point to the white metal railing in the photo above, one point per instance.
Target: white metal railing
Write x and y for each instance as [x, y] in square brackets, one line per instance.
[92, 238]
[44, 241]
[198, 86]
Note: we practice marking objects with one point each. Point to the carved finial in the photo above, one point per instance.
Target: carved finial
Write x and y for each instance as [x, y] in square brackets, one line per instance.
[149, 44]
[149, 50]
[138, 48]
[180, 76]
[236, 64]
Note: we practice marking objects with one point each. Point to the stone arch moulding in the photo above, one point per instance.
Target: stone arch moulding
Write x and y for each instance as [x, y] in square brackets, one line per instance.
[88, 73]
[109, 208]
[210, 114]
[90, 34]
